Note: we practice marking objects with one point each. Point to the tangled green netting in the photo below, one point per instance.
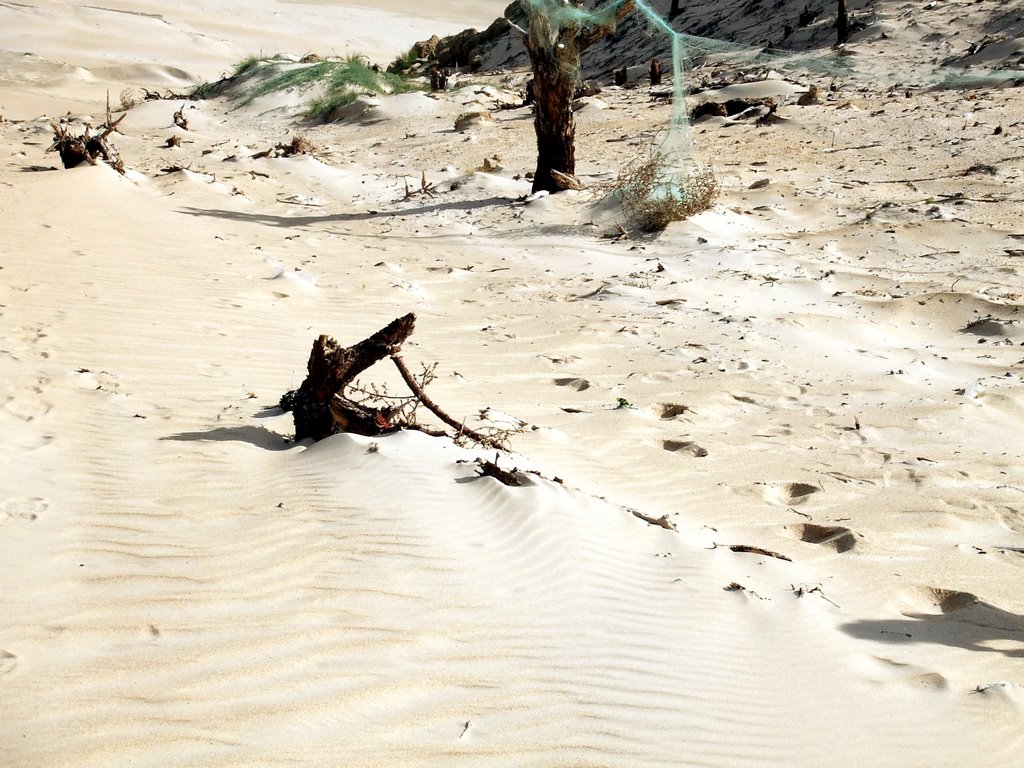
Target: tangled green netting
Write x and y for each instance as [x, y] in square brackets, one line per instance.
[676, 141]
[673, 149]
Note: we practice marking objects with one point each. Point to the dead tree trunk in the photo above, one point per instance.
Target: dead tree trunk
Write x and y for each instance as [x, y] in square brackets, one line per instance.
[555, 49]
[842, 23]
[319, 405]
[656, 72]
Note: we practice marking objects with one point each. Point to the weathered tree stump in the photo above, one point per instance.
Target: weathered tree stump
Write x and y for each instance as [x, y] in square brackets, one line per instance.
[319, 406]
[656, 72]
[439, 78]
[89, 146]
[842, 23]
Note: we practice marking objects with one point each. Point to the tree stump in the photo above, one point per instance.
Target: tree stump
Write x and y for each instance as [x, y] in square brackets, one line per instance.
[656, 72]
[319, 406]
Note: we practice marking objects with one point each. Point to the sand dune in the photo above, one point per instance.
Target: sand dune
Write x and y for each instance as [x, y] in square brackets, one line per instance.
[816, 384]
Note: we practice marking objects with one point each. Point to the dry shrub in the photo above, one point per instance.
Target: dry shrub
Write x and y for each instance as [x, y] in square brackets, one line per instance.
[301, 146]
[129, 98]
[655, 194]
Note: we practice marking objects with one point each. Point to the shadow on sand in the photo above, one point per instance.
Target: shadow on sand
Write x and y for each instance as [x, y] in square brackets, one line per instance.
[975, 627]
[261, 437]
[341, 218]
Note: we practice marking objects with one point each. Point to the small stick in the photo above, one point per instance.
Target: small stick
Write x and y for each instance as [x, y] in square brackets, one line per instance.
[459, 427]
[758, 551]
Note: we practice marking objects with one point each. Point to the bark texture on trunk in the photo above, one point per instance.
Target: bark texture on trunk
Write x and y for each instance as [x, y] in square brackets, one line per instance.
[555, 59]
[319, 405]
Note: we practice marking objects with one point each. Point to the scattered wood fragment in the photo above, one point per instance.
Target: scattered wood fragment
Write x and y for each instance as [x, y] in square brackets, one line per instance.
[566, 181]
[180, 120]
[816, 589]
[503, 476]
[661, 522]
[735, 586]
[617, 234]
[426, 188]
[758, 551]
[299, 145]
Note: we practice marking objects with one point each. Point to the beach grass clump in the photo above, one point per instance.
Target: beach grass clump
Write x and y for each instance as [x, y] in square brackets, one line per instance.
[352, 78]
[654, 193]
[404, 61]
[296, 76]
[246, 65]
[338, 81]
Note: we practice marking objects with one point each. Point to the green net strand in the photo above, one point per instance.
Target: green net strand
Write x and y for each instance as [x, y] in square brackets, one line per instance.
[561, 14]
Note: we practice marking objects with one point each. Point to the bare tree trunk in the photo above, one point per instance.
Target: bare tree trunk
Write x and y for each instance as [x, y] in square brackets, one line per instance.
[555, 58]
[555, 61]
[842, 23]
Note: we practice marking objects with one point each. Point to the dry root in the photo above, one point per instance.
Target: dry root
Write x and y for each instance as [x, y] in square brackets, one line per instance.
[89, 146]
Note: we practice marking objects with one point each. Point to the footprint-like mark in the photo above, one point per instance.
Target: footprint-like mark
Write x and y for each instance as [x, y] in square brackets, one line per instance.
[838, 537]
[8, 661]
[933, 600]
[23, 508]
[88, 380]
[910, 674]
[578, 384]
[684, 446]
[789, 494]
[28, 408]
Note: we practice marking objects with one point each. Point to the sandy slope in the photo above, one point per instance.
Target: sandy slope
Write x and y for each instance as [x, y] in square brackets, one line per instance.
[828, 367]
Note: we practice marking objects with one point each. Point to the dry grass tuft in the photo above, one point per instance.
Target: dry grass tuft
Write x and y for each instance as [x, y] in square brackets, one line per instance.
[654, 194]
[301, 146]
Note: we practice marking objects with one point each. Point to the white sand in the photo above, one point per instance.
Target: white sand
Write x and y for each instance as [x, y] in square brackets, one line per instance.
[827, 367]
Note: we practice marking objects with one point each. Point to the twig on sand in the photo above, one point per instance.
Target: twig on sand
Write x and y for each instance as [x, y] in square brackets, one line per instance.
[758, 551]
[459, 427]
[661, 522]
[816, 589]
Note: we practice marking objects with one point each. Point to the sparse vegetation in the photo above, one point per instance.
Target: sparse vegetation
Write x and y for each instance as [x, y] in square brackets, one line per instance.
[343, 82]
[247, 64]
[352, 78]
[403, 61]
[295, 77]
[654, 194]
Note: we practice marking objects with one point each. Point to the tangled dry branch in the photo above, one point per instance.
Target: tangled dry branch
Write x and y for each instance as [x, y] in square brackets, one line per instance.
[89, 146]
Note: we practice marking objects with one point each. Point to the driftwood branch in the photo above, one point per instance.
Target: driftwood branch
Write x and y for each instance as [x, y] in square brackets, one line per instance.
[320, 406]
[431, 406]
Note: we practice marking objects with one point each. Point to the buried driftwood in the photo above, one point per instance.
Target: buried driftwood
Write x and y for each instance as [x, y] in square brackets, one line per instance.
[321, 407]
[89, 146]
